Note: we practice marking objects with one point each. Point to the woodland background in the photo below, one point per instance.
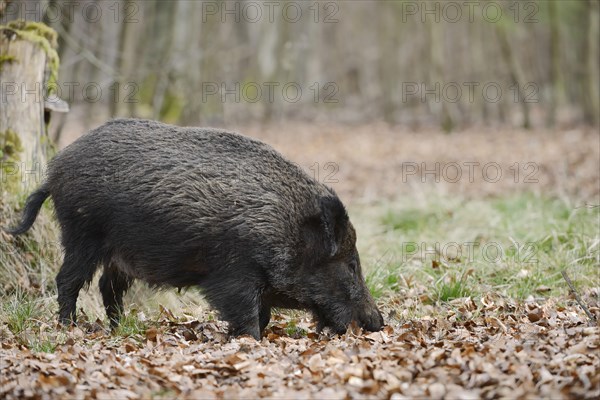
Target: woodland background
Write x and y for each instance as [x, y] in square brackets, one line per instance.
[445, 64]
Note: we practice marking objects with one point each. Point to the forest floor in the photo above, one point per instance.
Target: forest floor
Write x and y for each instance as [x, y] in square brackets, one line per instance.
[491, 347]
[459, 324]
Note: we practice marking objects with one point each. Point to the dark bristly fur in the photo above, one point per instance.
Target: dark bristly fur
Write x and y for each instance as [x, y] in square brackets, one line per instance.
[202, 207]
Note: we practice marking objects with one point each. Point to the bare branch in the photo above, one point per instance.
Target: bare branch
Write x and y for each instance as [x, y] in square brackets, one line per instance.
[577, 297]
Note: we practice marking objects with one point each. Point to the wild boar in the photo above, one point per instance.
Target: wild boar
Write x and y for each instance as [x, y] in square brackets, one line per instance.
[183, 207]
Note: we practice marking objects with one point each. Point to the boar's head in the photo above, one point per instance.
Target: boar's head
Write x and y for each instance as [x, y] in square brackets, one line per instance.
[333, 285]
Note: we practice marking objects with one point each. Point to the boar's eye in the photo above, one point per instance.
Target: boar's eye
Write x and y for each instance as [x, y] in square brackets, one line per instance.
[353, 266]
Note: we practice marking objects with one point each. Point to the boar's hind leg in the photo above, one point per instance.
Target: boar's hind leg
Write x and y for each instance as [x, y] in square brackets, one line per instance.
[77, 270]
[113, 284]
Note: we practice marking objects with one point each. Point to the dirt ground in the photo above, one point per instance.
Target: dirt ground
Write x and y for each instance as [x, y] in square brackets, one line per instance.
[370, 163]
[375, 162]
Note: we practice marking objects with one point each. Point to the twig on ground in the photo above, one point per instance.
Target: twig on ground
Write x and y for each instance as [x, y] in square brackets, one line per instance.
[577, 297]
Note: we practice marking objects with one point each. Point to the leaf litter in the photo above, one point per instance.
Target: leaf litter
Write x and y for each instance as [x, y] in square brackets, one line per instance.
[491, 347]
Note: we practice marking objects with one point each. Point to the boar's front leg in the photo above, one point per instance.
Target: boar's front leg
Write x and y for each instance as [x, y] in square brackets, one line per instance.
[238, 303]
[243, 317]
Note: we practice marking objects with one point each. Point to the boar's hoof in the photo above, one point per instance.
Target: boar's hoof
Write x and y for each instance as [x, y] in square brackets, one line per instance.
[246, 330]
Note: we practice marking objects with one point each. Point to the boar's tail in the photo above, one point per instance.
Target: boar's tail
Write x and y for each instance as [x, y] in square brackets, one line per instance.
[32, 208]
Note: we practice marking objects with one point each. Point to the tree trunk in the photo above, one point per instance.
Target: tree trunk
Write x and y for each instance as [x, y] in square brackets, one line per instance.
[25, 56]
[129, 42]
[591, 97]
[515, 71]
[555, 81]
[441, 107]
[28, 73]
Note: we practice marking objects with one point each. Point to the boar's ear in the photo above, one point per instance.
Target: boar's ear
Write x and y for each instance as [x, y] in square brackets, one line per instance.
[328, 227]
[335, 222]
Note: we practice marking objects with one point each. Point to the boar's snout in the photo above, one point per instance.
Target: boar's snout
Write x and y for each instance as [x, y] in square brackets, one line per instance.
[371, 318]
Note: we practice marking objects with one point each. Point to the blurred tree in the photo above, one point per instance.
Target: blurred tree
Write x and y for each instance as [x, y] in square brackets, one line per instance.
[174, 52]
[515, 72]
[554, 67]
[590, 84]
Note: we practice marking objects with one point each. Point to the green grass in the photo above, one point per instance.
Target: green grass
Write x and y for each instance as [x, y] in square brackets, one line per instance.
[411, 219]
[450, 288]
[43, 346]
[516, 245]
[20, 312]
[27, 319]
[131, 325]
[293, 330]
[435, 249]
